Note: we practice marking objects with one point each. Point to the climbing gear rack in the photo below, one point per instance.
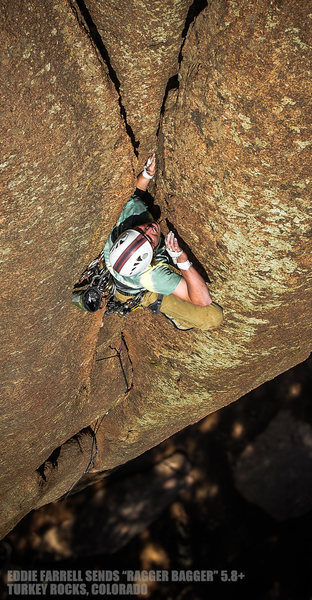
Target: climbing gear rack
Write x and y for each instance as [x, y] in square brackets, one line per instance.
[97, 283]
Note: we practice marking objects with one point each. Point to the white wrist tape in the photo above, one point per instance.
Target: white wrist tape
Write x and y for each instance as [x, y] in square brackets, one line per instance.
[184, 266]
[146, 174]
[174, 255]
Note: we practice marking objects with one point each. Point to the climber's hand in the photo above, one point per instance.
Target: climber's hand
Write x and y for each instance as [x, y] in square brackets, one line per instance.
[172, 242]
[173, 248]
[147, 174]
[151, 164]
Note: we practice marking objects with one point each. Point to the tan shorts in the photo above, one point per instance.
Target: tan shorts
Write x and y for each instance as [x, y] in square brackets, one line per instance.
[184, 313]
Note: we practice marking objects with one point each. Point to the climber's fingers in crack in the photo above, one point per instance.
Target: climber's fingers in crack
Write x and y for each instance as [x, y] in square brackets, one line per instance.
[151, 164]
[172, 242]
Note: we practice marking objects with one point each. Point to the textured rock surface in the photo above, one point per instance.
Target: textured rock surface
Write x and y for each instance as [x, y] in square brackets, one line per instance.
[67, 165]
[233, 180]
[274, 471]
[143, 40]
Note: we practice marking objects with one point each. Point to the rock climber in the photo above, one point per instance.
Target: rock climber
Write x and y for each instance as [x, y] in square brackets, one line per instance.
[137, 256]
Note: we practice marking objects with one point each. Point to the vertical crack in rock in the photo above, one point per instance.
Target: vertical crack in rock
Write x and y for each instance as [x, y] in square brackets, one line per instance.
[130, 386]
[92, 31]
[195, 9]
[173, 82]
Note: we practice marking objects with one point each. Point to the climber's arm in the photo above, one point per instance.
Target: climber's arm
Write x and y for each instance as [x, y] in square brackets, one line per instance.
[142, 181]
[192, 287]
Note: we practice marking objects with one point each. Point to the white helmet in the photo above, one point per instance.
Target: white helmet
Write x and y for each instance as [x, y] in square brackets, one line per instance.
[131, 254]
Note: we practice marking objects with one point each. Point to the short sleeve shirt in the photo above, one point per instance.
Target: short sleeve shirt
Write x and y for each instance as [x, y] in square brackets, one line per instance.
[158, 277]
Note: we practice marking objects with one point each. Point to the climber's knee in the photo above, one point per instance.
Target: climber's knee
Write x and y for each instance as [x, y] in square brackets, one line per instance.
[212, 317]
[218, 316]
[191, 315]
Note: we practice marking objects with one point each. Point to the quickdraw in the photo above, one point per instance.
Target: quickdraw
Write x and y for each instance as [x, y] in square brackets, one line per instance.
[93, 269]
[123, 308]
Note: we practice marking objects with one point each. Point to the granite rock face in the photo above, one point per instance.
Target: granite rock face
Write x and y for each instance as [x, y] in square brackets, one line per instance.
[67, 167]
[234, 183]
[143, 40]
[235, 151]
[233, 180]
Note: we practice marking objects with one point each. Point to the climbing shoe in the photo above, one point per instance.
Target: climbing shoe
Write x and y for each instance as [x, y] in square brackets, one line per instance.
[177, 325]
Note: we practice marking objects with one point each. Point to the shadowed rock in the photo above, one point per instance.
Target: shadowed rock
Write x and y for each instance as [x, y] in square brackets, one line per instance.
[112, 516]
[274, 471]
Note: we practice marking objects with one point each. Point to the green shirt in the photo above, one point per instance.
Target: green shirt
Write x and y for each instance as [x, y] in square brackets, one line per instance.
[158, 277]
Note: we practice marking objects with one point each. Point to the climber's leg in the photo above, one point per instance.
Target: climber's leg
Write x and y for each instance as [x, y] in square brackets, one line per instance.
[183, 313]
[186, 314]
[191, 315]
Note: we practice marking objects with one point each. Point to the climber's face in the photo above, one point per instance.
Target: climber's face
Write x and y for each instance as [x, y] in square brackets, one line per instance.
[151, 231]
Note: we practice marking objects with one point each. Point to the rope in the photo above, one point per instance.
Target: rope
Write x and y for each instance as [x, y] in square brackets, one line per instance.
[94, 446]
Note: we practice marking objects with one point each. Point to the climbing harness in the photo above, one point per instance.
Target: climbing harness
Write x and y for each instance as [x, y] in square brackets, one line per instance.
[124, 308]
[155, 306]
[94, 284]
